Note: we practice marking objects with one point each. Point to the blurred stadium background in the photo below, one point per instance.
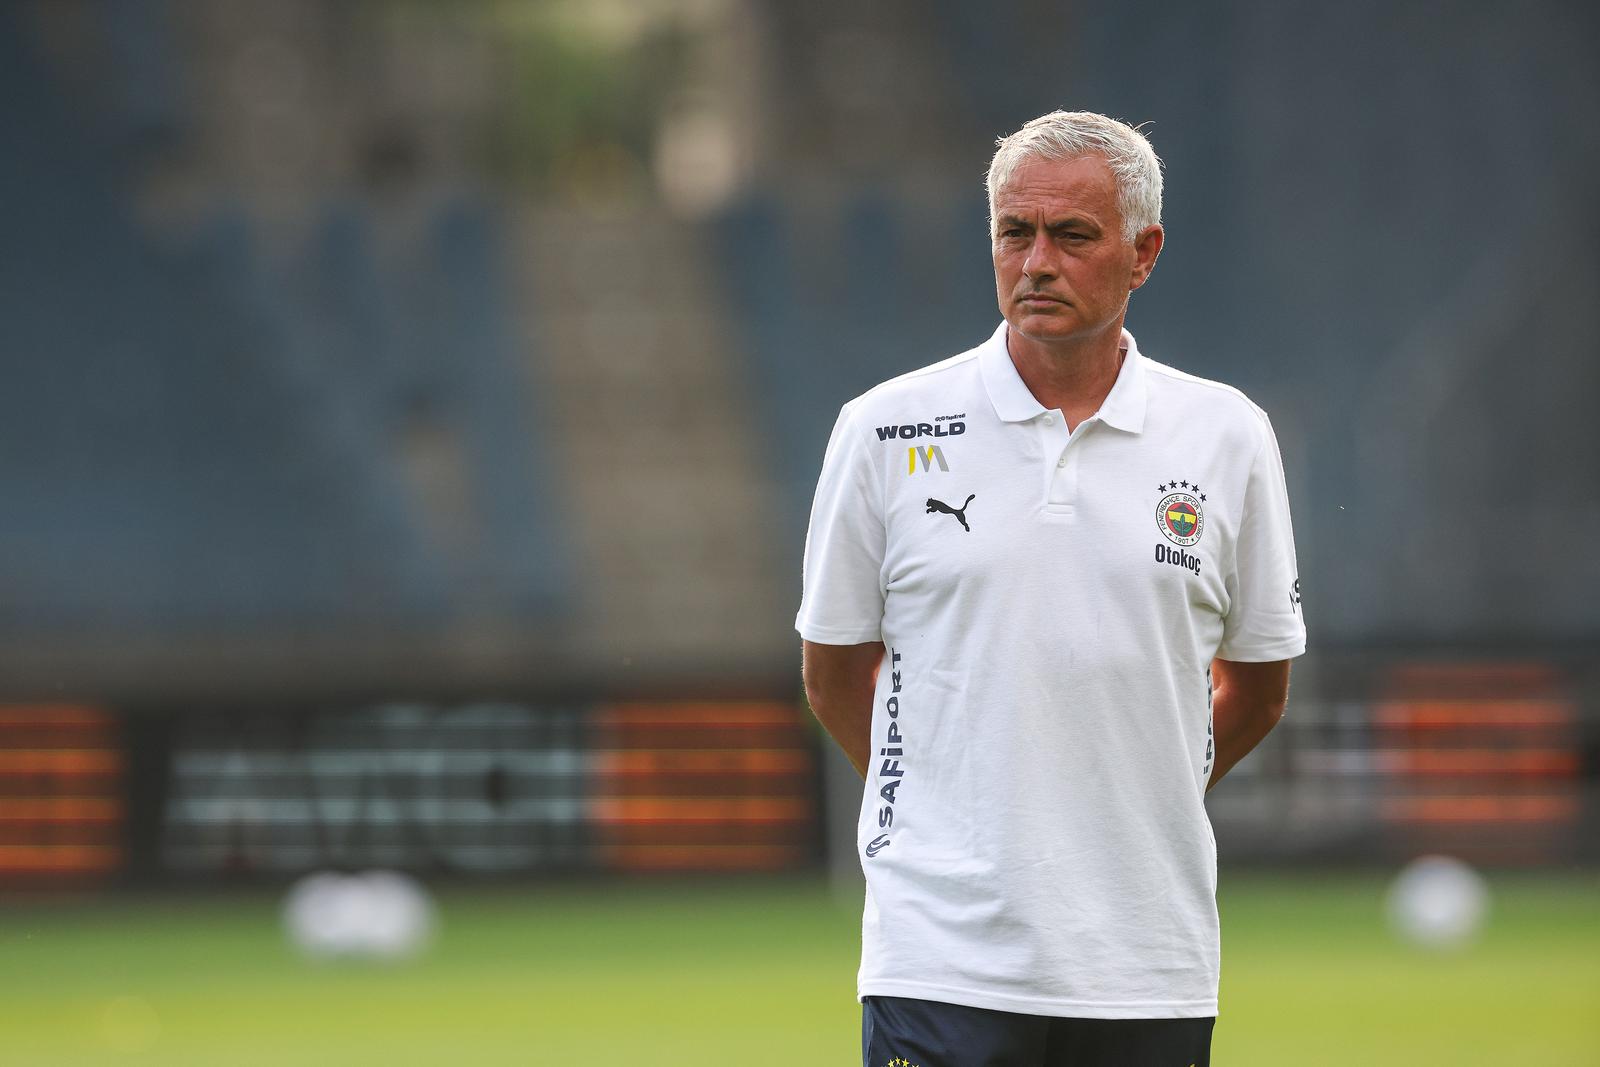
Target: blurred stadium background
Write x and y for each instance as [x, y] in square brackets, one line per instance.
[411, 411]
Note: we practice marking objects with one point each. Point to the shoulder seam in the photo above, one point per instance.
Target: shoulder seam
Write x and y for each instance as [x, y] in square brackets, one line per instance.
[949, 363]
[1192, 379]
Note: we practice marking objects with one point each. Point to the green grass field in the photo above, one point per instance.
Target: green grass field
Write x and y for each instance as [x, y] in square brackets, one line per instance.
[757, 973]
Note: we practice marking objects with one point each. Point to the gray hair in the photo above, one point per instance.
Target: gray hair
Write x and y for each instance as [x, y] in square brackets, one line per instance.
[1065, 135]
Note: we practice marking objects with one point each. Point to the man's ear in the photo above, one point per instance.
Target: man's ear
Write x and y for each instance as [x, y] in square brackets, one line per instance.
[1147, 248]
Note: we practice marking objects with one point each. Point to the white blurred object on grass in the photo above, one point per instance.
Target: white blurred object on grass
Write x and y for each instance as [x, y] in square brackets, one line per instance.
[1438, 902]
[374, 915]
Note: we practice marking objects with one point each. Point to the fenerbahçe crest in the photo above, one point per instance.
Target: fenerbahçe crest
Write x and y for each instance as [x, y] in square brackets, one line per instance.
[1179, 515]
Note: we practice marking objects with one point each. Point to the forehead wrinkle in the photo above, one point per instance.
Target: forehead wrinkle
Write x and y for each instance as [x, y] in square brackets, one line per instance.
[1039, 187]
[1053, 198]
[1051, 218]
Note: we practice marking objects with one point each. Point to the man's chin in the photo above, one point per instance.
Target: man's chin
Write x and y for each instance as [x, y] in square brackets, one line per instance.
[1046, 326]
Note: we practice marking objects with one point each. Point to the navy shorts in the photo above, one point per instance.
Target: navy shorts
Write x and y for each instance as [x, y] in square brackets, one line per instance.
[897, 1032]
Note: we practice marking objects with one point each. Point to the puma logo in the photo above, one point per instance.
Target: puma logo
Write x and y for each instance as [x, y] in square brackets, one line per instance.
[960, 513]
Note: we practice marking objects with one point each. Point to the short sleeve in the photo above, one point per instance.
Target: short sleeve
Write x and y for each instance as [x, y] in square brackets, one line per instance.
[842, 598]
[1264, 622]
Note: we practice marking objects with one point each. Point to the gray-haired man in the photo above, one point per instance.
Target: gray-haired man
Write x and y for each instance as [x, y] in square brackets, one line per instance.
[1050, 598]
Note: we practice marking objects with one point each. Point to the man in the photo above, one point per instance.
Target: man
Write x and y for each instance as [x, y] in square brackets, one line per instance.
[1050, 599]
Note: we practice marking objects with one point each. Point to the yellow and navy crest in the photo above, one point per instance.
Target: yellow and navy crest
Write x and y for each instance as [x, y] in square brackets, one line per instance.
[900, 1061]
[1180, 515]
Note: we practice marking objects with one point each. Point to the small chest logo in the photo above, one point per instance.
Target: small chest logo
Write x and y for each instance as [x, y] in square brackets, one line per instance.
[929, 457]
[1179, 515]
[938, 506]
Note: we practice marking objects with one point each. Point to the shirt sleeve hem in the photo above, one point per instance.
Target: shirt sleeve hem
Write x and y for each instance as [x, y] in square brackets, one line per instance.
[1264, 653]
[839, 635]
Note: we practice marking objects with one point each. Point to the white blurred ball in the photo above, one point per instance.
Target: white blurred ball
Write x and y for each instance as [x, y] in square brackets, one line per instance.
[320, 914]
[397, 916]
[1438, 902]
[381, 914]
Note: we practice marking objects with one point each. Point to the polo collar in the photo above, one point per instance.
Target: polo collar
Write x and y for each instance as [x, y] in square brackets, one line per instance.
[1122, 408]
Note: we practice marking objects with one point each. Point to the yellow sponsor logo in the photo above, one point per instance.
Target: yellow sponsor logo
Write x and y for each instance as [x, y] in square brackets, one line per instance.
[928, 456]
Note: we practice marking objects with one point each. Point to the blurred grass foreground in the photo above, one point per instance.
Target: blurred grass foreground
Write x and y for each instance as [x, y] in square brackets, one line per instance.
[757, 972]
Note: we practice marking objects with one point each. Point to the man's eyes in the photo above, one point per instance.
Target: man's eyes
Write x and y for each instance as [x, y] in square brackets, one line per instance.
[1014, 233]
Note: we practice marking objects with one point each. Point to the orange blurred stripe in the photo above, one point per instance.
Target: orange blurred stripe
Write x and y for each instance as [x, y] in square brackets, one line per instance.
[703, 857]
[61, 761]
[1534, 809]
[1531, 761]
[697, 713]
[1439, 714]
[40, 859]
[702, 761]
[60, 810]
[699, 809]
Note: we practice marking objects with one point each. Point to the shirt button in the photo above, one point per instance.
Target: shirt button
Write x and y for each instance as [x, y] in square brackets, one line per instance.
[1062, 462]
[1048, 419]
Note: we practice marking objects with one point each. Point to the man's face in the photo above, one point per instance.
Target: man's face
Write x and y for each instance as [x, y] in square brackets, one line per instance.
[1062, 268]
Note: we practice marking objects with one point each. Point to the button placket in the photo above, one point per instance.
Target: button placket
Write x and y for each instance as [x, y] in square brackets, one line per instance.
[1058, 463]
[1063, 492]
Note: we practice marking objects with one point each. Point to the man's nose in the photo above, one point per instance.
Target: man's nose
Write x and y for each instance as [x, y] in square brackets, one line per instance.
[1040, 263]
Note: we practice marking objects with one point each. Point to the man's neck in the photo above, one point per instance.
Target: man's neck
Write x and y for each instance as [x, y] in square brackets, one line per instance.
[1074, 377]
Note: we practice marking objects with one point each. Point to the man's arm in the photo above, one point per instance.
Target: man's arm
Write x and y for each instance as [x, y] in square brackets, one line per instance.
[839, 683]
[1247, 700]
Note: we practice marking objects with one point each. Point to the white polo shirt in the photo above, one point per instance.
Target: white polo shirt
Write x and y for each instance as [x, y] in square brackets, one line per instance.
[1033, 828]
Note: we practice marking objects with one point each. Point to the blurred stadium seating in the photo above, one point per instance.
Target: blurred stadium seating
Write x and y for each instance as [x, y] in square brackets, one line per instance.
[370, 364]
[219, 435]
